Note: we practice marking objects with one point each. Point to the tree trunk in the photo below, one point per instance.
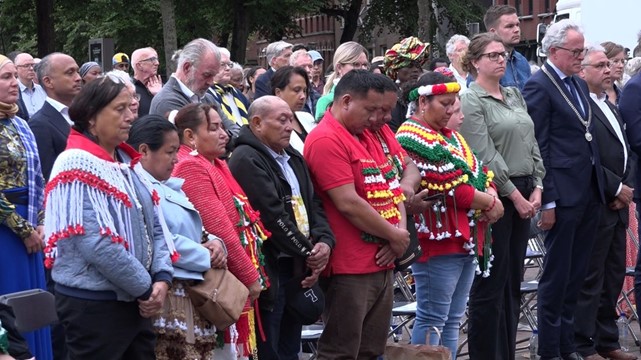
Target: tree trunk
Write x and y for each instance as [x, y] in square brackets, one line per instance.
[351, 21]
[44, 23]
[169, 33]
[240, 33]
[424, 14]
[444, 27]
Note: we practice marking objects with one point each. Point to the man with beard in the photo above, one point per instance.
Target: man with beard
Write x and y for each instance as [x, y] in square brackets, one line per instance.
[198, 63]
[503, 21]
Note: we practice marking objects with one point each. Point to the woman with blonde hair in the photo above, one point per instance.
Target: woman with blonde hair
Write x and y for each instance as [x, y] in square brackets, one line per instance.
[347, 57]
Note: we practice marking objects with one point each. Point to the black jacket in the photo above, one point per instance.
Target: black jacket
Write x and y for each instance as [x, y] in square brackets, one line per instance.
[51, 131]
[268, 191]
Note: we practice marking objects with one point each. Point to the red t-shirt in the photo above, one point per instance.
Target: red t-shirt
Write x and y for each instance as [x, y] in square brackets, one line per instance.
[334, 159]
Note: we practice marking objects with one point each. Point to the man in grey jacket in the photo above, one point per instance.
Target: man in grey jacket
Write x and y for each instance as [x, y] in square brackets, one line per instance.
[198, 63]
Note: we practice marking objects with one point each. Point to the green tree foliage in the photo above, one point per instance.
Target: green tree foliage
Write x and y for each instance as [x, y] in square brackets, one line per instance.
[17, 26]
[136, 24]
[401, 16]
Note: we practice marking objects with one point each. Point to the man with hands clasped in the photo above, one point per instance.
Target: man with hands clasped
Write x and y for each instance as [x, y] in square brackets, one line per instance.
[596, 332]
[358, 300]
[558, 102]
[277, 183]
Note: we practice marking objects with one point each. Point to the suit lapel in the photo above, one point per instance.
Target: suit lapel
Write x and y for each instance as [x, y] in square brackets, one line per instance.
[23, 112]
[177, 88]
[57, 120]
[601, 117]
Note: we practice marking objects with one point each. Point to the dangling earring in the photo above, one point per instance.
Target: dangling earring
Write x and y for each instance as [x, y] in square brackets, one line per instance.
[194, 152]
[398, 81]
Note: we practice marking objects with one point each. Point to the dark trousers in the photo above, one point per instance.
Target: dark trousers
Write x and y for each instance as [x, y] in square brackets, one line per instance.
[568, 251]
[109, 330]
[637, 269]
[357, 314]
[595, 320]
[495, 300]
[282, 331]
[57, 331]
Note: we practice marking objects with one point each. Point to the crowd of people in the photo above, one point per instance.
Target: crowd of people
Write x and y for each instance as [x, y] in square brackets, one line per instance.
[118, 193]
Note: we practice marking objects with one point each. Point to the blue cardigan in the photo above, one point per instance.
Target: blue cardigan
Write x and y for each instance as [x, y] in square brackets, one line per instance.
[183, 221]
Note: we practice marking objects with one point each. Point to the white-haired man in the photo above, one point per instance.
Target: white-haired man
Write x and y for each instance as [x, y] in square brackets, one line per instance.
[198, 63]
[32, 95]
[301, 58]
[231, 100]
[146, 79]
[559, 104]
[455, 48]
[277, 54]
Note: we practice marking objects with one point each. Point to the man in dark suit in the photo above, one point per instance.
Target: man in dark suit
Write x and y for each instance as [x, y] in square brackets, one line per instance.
[277, 54]
[596, 332]
[58, 75]
[558, 103]
[630, 107]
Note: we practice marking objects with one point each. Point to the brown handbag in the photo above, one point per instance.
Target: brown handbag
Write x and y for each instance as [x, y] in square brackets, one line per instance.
[219, 298]
[395, 351]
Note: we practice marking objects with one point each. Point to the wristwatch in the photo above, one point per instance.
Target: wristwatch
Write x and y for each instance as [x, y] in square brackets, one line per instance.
[540, 187]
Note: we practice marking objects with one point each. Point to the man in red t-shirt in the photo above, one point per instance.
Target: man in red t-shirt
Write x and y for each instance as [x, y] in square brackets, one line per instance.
[370, 231]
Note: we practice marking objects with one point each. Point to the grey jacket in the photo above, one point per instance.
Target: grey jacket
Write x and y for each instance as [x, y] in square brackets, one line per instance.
[91, 266]
[171, 97]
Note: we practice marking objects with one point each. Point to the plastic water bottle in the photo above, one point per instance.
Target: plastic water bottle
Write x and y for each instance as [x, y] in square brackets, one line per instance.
[624, 334]
[534, 345]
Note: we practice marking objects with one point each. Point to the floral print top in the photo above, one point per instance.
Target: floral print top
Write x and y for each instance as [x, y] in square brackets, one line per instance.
[13, 174]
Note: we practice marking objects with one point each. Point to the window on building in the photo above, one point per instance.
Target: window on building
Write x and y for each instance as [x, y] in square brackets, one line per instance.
[530, 7]
[517, 5]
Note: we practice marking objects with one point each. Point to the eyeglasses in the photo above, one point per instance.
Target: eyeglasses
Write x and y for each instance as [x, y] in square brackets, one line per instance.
[600, 66]
[359, 65]
[27, 66]
[619, 61]
[576, 52]
[227, 65]
[151, 59]
[136, 96]
[494, 56]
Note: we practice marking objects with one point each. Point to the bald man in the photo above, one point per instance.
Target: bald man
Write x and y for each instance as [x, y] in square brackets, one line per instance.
[32, 96]
[277, 183]
[146, 79]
